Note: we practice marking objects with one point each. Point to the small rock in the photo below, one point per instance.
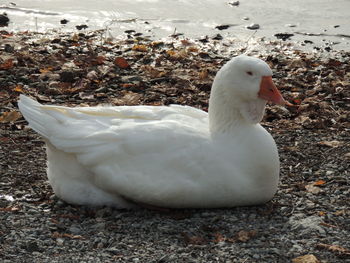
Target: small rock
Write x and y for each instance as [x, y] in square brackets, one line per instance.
[75, 230]
[4, 20]
[80, 27]
[290, 25]
[222, 27]
[284, 36]
[67, 76]
[64, 21]
[245, 18]
[32, 246]
[234, 3]
[218, 37]
[92, 75]
[60, 241]
[8, 48]
[253, 26]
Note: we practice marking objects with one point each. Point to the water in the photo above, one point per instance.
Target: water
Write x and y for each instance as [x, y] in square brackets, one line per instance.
[328, 19]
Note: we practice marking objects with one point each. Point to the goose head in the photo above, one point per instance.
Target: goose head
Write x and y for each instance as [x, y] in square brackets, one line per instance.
[240, 91]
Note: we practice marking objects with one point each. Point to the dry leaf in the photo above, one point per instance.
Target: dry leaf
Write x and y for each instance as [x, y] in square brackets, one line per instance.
[8, 64]
[141, 48]
[46, 70]
[335, 248]
[306, 259]
[59, 235]
[313, 189]
[9, 209]
[320, 182]
[332, 144]
[18, 88]
[218, 237]
[203, 74]
[130, 98]
[245, 236]
[99, 60]
[194, 240]
[10, 116]
[154, 73]
[121, 63]
[193, 49]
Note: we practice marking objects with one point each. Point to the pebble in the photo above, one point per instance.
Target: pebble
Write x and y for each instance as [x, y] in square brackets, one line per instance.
[253, 26]
[234, 3]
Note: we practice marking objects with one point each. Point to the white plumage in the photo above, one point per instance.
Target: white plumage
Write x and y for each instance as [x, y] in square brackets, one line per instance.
[168, 156]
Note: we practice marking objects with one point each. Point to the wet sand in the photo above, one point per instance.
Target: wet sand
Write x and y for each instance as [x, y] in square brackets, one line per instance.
[321, 24]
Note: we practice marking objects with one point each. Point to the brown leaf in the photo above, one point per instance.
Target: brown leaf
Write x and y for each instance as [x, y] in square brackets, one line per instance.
[306, 259]
[335, 248]
[10, 116]
[332, 144]
[218, 237]
[9, 209]
[154, 73]
[60, 235]
[18, 88]
[194, 240]
[129, 98]
[319, 182]
[99, 60]
[311, 188]
[46, 70]
[8, 64]
[141, 48]
[245, 236]
[203, 74]
[121, 63]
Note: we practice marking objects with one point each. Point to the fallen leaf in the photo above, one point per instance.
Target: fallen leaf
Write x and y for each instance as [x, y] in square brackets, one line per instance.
[306, 259]
[121, 63]
[9, 209]
[335, 248]
[193, 49]
[332, 144]
[313, 189]
[99, 60]
[130, 98]
[340, 212]
[18, 88]
[245, 236]
[218, 237]
[8, 64]
[320, 182]
[46, 70]
[203, 74]
[60, 235]
[141, 48]
[154, 73]
[194, 240]
[10, 116]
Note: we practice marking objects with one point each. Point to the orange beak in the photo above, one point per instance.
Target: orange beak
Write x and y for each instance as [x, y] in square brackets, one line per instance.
[268, 91]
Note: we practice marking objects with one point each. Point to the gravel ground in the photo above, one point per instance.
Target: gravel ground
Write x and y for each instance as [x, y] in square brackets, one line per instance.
[307, 221]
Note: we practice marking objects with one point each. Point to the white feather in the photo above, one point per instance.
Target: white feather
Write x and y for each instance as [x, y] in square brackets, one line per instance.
[158, 155]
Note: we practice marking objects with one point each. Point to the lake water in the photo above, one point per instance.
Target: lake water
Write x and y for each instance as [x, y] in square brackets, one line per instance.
[329, 20]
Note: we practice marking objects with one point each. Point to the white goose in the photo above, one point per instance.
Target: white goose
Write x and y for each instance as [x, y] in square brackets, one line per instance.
[166, 156]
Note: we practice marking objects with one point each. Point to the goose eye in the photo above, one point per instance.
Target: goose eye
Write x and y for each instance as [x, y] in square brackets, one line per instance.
[249, 73]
